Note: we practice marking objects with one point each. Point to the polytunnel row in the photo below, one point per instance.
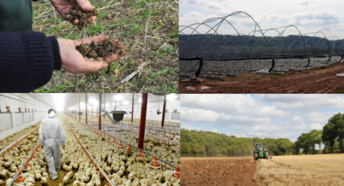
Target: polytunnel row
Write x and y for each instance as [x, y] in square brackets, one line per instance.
[219, 40]
[110, 137]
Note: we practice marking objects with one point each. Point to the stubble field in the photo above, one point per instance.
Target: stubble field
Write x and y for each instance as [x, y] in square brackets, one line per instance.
[300, 170]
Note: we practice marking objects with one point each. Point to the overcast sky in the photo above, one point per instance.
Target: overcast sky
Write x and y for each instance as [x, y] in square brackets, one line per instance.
[307, 15]
[259, 115]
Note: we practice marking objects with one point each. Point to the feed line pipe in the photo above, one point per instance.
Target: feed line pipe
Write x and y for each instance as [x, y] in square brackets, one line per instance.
[89, 127]
[146, 133]
[22, 166]
[9, 147]
[90, 157]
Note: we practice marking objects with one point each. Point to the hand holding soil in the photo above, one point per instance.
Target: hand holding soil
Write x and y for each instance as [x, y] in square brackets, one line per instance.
[64, 6]
[109, 50]
[73, 61]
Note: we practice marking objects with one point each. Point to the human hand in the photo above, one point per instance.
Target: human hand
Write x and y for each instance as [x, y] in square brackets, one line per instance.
[75, 63]
[63, 6]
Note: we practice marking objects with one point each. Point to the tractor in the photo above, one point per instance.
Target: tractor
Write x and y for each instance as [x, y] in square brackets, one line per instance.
[260, 152]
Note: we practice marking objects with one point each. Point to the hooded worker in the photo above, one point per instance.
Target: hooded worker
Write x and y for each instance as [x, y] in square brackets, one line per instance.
[50, 133]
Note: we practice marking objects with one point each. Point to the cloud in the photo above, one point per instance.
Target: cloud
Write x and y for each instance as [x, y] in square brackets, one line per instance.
[316, 18]
[316, 126]
[307, 2]
[259, 115]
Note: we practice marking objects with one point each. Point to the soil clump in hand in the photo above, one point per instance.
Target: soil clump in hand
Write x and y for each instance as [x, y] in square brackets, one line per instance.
[82, 16]
[104, 49]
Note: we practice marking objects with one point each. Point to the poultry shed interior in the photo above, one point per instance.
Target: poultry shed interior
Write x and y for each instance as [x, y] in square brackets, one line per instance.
[110, 139]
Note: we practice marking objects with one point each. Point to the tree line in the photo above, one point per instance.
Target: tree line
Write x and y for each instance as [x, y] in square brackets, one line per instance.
[205, 143]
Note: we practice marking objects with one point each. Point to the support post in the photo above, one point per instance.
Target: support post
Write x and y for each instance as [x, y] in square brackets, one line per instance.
[163, 113]
[132, 109]
[143, 120]
[272, 65]
[100, 111]
[309, 62]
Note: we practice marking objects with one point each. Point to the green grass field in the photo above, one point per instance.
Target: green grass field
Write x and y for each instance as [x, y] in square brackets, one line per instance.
[127, 21]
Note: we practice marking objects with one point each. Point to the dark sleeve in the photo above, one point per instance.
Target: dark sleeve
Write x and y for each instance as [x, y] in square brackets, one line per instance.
[27, 60]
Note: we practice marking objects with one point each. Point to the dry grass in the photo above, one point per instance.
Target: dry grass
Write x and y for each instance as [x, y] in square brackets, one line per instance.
[301, 170]
[149, 29]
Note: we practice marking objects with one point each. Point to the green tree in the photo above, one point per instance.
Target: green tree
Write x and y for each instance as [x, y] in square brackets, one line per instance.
[331, 130]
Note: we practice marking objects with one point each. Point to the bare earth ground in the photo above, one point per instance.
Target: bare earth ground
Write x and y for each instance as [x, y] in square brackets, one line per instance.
[301, 170]
[318, 80]
[217, 171]
[127, 21]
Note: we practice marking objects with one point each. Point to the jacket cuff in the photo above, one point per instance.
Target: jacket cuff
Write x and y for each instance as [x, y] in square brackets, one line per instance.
[56, 52]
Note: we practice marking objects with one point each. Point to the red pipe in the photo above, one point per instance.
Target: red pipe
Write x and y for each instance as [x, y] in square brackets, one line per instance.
[163, 113]
[143, 120]
[132, 109]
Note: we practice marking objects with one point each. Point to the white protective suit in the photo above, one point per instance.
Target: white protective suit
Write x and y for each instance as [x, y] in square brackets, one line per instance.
[50, 133]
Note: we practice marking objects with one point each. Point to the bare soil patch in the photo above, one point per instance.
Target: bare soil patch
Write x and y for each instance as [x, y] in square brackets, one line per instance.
[318, 80]
[217, 171]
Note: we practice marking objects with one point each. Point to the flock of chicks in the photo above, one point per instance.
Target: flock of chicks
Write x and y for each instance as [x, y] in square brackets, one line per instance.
[10, 139]
[124, 166]
[169, 153]
[11, 161]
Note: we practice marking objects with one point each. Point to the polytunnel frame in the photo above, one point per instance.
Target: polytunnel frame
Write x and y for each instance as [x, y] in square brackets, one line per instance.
[309, 51]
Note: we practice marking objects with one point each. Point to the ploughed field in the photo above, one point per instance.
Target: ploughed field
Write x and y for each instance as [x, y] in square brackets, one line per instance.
[294, 170]
[317, 80]
[217, 171]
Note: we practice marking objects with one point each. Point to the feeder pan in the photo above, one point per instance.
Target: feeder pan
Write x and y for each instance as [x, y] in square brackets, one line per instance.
[155, 164]
[176, 175]
[120, 145]
[118, 115]
[20, 178]
[140, 155]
